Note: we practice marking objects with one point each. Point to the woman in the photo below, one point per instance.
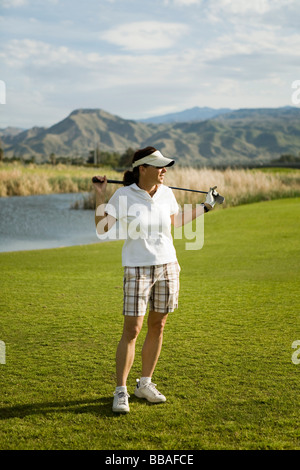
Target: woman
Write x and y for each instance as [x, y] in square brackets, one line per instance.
[145, 209]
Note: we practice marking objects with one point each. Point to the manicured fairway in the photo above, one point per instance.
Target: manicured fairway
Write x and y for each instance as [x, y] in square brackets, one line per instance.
[226, 365]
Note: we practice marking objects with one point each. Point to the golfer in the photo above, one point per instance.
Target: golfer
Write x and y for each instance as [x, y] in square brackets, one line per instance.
[145, 209]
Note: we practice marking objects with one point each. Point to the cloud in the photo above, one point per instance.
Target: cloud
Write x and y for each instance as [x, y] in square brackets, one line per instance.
[243, 7]
[41, 62]
[145, 35]
[184, 3]
[22, 3]
[231, 53]
[13, 3]
[19, 53]
[240, 11]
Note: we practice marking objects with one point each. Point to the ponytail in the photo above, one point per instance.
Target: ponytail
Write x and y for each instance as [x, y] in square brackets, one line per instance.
[131, 177]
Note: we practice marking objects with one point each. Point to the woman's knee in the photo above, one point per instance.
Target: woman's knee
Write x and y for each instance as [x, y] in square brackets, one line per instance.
[132, 327]
[156, 323]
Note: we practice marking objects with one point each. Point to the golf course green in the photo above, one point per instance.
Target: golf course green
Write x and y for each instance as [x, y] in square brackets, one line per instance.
[226, 365]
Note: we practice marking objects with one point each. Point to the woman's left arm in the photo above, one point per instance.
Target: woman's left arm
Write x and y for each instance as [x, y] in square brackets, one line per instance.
[186, 216]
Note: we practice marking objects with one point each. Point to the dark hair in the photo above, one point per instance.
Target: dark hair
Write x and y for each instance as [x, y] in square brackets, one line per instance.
[132, 176]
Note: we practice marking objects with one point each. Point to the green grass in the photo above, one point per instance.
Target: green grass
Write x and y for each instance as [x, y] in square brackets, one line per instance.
[225, 366]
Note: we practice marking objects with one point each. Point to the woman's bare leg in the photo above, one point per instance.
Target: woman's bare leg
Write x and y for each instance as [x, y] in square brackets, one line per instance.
[153, 342]
[126, 347]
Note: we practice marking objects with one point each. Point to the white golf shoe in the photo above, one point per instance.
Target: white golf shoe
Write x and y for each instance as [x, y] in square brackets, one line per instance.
[120, 404]
[149, 392]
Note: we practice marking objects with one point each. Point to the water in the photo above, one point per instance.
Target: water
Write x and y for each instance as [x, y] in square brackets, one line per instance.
[46, 221]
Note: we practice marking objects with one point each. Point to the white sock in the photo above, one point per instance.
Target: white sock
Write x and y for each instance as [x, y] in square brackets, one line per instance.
[121, 388]
[145, 380]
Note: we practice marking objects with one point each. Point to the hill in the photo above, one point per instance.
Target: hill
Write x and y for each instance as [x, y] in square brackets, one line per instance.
[245, 136]
[78, 133]
[192, 114]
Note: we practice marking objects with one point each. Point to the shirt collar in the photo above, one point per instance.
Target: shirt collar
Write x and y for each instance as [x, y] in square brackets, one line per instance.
[137, 188]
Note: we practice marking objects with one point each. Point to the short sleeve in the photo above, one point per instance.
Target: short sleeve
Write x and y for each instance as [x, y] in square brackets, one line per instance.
[174, 207]
[112, 207]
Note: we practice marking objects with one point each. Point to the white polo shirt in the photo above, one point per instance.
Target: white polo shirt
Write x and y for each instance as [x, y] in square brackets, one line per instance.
[144, 223]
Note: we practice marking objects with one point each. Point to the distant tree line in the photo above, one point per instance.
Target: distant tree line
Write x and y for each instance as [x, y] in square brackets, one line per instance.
[113, 159]
[96, 157]
[287, 158]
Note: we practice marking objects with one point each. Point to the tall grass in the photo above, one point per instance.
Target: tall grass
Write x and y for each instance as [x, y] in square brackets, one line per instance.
[238, 186]
[26, 180]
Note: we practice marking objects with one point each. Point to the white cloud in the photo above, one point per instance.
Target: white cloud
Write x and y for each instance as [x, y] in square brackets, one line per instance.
[184, 3]
[113, 55]
[38, 60]
[145, 35]
[23, 3]
[266, 42]
[19, 53]
[244, 7]
[13, 3]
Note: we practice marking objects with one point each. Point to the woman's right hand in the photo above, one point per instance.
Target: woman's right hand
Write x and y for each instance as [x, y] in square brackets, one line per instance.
[99, 183]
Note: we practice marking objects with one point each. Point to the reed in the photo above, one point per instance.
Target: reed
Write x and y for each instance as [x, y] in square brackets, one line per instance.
[238, 186]
[26, 180]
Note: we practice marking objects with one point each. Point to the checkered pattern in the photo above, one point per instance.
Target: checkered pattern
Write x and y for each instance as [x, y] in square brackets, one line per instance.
[156, 286]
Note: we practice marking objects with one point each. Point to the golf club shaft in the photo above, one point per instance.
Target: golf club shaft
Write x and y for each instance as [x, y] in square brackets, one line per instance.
[172, 187]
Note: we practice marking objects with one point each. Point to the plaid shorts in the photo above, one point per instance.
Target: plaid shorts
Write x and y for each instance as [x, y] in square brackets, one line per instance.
[156, 286]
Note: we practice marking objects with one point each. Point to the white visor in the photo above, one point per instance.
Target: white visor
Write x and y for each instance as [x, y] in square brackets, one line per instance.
[155, 159]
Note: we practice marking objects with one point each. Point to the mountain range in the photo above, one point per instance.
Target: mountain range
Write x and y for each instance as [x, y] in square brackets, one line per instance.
[199, 136]
[192, 114]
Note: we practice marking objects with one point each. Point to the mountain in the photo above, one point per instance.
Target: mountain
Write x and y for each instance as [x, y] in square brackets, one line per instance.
[78, 133]
[193, 114]
[10, 131]
[260, 114]
[241, 136]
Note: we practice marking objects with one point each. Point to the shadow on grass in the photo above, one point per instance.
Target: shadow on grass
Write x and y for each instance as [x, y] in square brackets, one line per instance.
[99, 407]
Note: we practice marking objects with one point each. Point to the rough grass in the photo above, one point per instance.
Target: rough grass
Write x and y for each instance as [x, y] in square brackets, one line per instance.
[225, 367]
[26, 180]
[238, 186]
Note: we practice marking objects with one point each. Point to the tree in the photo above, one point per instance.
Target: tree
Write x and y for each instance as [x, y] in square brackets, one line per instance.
[97, 155]
[1, 152]
[53, 158]
[288, 158]
[126, 158]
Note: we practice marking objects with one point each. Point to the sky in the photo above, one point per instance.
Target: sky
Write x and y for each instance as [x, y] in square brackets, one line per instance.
[143, 58]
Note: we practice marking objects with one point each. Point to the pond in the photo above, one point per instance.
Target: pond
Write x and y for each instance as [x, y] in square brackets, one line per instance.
[44, 221]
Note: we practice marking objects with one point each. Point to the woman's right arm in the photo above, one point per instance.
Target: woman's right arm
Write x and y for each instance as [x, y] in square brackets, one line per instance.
[103, 221]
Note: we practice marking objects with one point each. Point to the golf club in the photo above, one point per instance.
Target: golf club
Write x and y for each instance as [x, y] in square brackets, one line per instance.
[220, 198]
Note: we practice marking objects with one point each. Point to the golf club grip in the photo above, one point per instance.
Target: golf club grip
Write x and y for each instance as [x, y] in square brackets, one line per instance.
[95, 180]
